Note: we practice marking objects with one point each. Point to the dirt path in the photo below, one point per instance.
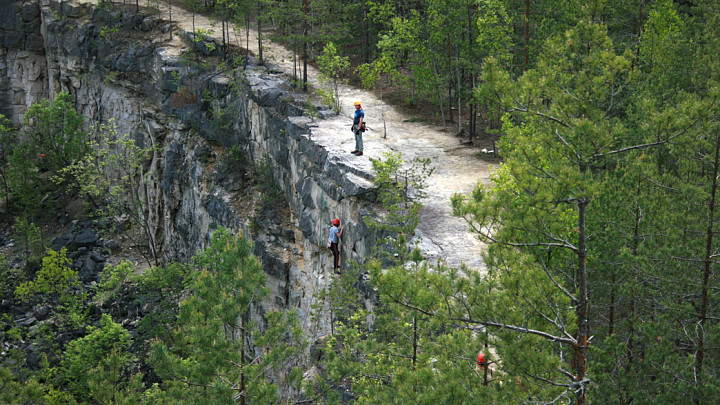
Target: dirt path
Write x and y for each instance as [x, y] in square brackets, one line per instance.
[456, 168]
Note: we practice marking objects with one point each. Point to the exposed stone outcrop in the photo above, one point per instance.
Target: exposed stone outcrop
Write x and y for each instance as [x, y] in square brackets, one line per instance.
[196, 120]
[22, 59]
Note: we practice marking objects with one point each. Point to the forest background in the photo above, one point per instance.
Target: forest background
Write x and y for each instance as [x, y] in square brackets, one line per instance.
[601, 220]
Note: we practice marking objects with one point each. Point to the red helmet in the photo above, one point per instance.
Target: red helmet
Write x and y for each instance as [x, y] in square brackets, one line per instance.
[336, 222]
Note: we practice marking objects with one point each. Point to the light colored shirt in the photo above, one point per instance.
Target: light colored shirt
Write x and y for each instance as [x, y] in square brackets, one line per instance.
[333, 234]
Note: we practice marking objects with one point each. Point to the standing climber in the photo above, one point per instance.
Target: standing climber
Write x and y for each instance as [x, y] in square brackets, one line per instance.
[334, 240]
[358, 128]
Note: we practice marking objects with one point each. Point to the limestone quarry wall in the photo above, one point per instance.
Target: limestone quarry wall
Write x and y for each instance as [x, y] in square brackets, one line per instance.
[133, 79]
[22, 59]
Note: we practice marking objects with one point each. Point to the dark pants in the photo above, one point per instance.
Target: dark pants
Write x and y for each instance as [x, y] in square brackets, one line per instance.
[336, 255]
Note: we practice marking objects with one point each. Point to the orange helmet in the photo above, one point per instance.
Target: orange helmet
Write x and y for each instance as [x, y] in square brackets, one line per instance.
[336, 222]
[357, 102]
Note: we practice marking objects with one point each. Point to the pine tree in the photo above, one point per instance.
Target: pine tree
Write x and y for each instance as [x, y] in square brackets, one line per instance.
[218, 355]
[563, 132]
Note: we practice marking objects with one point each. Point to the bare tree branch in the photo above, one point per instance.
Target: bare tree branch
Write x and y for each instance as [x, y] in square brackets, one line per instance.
[553, 338]
[538, 113]
[647, 145]
[548, 336]
[557, 284]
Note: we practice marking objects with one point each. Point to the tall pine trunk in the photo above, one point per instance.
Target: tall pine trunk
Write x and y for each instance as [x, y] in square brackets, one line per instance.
[259, 33]
[304, 55]
[247, 38]
[583, 327]
[459, 94]
[631, 311]
[527, 35]
[170, 17]
[242, 361]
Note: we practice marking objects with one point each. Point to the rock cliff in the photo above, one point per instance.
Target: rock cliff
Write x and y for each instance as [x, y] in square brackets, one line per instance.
[210, 130]
[22, 59]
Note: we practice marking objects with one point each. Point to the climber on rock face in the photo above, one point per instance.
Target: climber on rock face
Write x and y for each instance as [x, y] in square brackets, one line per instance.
[333, 241]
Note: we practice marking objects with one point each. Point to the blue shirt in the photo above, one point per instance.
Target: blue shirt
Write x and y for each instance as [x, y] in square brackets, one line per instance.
[359, 113]
[333, 234]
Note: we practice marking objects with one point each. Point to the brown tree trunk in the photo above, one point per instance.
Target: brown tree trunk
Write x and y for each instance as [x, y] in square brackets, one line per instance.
[414, 357]
[170, 17]
[611, 322]
[471, 40]
[305, 56]
[224, 45]
[366, 39]
[527, 35]
[247, 39]
[259, 33]
[707, 267]
[242, 362]
[581, 346]
[631, 312]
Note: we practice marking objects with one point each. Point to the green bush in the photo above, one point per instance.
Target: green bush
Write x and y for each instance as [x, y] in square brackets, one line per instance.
[23, 181]
[92, 351]
[112, 277]
[401, 186]
[266, 180]
[57, 284]
[10, 278]
[55, 132]
[54, 138]
[171, 279]
[31, 240]
[333, 68]
[163, 287]
[54, 280]
[19, 392]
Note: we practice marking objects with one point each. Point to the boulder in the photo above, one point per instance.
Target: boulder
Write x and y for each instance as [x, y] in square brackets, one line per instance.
[96, 257]
[29, 12]
[41, 311]
[61, 241]
[85, 238]
[26, 322]
[32, 357]
[112, 246]
[148, 24]
[88, 271]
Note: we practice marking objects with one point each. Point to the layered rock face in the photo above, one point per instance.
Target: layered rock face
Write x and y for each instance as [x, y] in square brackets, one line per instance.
[22, 59]
[210, 132]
